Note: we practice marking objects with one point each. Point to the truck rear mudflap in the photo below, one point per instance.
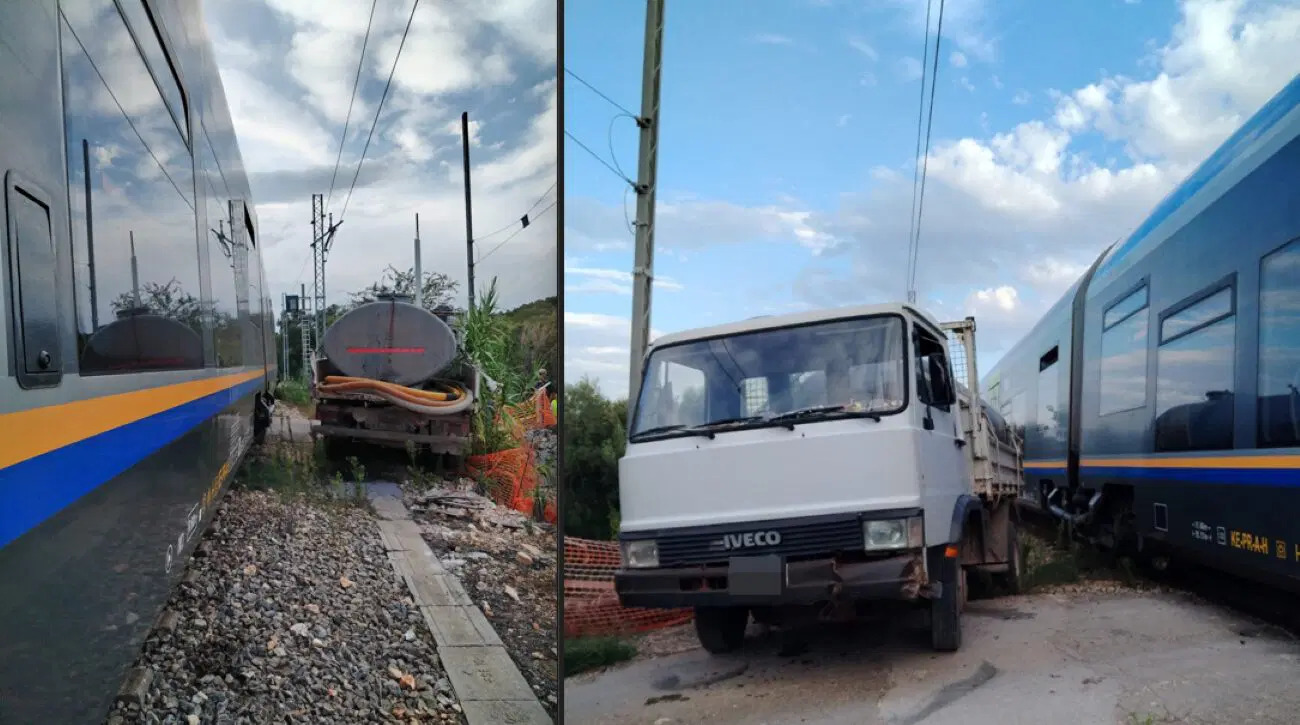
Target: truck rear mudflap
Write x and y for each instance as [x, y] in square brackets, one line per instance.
[770, 580]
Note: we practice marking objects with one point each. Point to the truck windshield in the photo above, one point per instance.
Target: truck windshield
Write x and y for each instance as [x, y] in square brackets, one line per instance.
[839, 368]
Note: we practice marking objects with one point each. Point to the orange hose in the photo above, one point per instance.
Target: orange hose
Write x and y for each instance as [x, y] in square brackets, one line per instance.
[341, 384]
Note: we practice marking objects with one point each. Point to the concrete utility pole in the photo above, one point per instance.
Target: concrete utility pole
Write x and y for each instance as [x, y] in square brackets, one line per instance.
[469, 216]
[419, 276]
[647, 165]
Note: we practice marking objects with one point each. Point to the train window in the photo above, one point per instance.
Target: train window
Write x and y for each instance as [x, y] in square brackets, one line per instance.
[1207, 310]
[1124, 354]
[131, 189]
[222, 259]
[1121, 310]
[1194, 374]
[1050, 410]
[33, 285]
[1279, 347]
[149, 39]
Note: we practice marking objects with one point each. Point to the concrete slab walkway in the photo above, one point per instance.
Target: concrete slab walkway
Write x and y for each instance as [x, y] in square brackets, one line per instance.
[488, 684]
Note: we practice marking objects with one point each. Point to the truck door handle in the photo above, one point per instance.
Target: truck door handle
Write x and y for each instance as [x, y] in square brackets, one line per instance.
[961, 442]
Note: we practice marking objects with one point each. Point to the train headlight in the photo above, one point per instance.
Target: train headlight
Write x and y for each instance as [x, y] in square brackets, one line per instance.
[643, 554]
[890, 534]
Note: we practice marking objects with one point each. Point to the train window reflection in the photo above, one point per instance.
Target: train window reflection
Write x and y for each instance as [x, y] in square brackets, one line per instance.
[130, 190]
[150, 42]
[225, 260]
[1279, 347]
[1124, 365]
[1194, 389]
[1051, 410]
[1195, 315]
[1117, 312]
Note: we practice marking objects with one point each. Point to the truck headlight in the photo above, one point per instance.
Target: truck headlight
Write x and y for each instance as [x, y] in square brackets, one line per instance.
[888, 534]
[643, 554]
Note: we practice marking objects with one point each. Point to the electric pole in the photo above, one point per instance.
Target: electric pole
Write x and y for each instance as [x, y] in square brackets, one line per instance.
[304, 329]
[419, 273]
[322, 238]
[469, 217]
[643, 269]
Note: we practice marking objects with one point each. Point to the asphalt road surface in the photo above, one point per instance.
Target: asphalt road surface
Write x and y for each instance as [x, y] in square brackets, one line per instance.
[1118, 656]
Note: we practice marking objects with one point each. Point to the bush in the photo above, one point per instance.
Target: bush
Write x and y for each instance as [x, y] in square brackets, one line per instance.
[594, 438]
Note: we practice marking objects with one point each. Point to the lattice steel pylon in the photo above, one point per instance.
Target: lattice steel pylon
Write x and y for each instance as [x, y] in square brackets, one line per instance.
[304, 328]
[322, 236]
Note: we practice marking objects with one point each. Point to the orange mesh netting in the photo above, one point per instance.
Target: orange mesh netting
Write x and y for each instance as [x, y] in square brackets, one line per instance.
[511, 474]
[591, 606]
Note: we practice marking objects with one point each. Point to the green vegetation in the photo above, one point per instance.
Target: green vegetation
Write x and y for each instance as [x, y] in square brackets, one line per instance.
[293, 392]
[593, 436]
[590, 653]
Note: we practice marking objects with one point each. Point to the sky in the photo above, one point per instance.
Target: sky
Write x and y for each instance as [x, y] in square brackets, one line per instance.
[788, 144]
[288, 68]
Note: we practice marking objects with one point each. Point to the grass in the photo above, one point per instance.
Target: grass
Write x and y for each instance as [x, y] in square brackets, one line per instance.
[293, 392]
[590, 653]
[1054, 563]
[299, 472]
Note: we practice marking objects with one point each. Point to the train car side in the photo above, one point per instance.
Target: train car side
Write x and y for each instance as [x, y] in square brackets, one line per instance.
[1183, 406]
[134, 348]
[1191, 427]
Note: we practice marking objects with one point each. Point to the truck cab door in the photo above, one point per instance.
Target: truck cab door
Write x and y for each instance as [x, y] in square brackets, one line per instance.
[944, 470]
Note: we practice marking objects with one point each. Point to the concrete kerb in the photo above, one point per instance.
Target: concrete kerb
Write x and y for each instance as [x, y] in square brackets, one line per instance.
[488, 684]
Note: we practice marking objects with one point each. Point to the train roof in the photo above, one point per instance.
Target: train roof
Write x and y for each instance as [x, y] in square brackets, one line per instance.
[766, 322]
[1276, 124]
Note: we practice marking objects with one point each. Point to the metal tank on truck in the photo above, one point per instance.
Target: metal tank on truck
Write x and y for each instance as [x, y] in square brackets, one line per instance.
[390, 374]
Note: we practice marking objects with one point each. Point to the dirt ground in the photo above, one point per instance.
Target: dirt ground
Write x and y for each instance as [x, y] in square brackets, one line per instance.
[1084, 653]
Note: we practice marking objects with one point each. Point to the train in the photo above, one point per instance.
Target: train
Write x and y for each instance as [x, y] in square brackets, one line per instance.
[138, 347]
[1158, 400]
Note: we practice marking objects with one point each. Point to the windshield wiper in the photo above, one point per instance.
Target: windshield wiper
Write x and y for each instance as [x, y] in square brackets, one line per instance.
[707, 429]
[792, 415]
[674, 428]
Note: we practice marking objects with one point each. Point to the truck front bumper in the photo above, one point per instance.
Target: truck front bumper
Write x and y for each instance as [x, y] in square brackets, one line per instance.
[765, 581]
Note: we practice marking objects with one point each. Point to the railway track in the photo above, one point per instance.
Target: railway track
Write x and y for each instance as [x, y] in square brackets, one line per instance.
[1270, 605]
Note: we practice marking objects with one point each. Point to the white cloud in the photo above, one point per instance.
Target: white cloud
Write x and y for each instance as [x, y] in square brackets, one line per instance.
[773, 39]
[864, 48]
[843, 120]
[617, 281]
[1022, 97]
[288, 68]
[958, 59]
[965, 83]
[908, 69]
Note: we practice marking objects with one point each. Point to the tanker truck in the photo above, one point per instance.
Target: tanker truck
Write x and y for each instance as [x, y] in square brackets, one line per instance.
[389, 373]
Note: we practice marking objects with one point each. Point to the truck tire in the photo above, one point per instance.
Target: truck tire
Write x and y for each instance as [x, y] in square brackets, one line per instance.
[1010, 579]
[946, 609]
[721, 629]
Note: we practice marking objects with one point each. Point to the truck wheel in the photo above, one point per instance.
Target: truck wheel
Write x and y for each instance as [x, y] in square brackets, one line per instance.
[945, 610]
[1010, 579]
[721, 629]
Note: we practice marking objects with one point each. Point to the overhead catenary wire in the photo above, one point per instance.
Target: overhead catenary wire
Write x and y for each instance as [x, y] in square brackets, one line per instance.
[512, 224]
[502, 243]
[356, 83]
[598, 157]
[597, 91]
[379, 109]
[916, 167]
[925, 158]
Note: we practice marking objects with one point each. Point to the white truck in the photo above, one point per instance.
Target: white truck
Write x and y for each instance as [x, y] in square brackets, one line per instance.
[815, 462]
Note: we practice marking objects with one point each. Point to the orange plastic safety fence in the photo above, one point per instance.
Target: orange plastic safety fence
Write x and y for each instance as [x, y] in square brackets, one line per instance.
[591, 605]
[511, 476]
[535, 413]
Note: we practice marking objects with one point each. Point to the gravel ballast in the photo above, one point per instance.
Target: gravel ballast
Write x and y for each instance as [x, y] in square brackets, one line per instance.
[290, 613]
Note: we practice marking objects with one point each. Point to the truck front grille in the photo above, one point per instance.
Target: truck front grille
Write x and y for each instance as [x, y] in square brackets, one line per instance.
[804, 537]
